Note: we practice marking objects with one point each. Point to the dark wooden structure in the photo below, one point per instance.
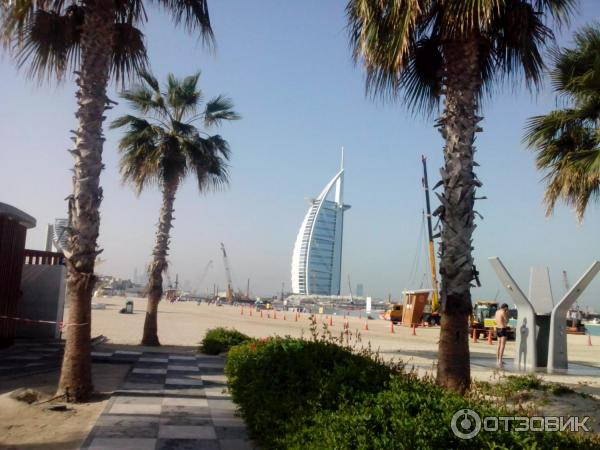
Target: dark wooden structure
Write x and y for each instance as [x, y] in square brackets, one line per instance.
[13, 229]
[38, 257]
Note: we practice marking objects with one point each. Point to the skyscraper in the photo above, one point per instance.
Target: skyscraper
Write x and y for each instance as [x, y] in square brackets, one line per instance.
[317, 256]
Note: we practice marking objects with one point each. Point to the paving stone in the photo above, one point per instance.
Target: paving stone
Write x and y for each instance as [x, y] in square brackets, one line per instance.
[137, 400]
[231, 421]
[186, 419]
[182, 358]
[170, 411]
[184, 391]
[108, 420]
[211, 366]
[134, 386]
[231, 432]
[217, 392]
[183, 381]
[187, 444]
[127, 429]
[181, 368]
[221, 404]
[138, 408]
[150, 371]
[235, 444]
[223, 413]
[122, 444]
[154, 360]
[184, 401]
[186, 432]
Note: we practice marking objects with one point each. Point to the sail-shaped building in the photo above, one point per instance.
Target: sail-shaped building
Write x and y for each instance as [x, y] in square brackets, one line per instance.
[317, 257]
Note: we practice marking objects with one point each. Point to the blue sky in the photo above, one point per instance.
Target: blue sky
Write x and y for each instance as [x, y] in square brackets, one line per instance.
[288, 69]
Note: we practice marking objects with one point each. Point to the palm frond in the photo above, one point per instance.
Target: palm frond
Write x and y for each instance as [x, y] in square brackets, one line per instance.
[129, 56]
[218, 109]
[49, 45]
[193, 15]
[157, 151]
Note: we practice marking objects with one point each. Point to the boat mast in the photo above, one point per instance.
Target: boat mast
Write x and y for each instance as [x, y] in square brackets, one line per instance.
[434, 283]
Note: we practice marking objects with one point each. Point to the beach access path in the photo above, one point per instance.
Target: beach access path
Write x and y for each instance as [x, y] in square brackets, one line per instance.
[171, 401]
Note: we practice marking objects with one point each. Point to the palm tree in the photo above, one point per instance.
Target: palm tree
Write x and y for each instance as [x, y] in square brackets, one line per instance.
[567, 140]
[97, 39]
[162, 147]
[422, 51]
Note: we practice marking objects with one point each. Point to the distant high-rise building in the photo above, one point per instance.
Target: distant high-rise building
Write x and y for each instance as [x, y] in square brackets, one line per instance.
[360, 290]
[58, 236]
[317, 256]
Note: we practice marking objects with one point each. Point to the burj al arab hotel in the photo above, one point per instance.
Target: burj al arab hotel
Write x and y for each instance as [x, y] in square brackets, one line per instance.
[317, 257]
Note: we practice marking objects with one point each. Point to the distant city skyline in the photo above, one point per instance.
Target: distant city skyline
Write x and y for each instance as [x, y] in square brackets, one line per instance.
[291, 76]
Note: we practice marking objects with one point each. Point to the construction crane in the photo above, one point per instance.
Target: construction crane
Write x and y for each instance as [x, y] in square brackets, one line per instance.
[434, 282]
[229, 294]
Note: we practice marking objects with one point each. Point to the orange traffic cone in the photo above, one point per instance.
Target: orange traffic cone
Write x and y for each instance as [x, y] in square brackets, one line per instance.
[590, 340]
[330, 321]
[414, 330]
[366, 325]
[392, 327]
[490, 337]
[474, 336]
[284, 317]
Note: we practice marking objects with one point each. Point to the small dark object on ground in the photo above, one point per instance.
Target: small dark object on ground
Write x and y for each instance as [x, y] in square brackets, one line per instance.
[57, 407]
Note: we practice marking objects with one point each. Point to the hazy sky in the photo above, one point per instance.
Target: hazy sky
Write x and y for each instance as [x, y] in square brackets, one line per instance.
[287, 67]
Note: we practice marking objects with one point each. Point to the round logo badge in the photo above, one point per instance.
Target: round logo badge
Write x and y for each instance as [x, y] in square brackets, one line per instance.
[466, 423]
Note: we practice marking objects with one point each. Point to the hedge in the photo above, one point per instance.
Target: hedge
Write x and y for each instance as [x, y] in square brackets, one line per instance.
[219, 340]
[298, 394]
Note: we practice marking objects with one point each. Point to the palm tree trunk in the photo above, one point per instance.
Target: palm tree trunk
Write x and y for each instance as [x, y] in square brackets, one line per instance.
[158, 266]
[96, 43]
[458, 125]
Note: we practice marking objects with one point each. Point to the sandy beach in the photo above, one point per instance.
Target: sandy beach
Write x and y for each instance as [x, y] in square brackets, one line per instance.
[184, 324]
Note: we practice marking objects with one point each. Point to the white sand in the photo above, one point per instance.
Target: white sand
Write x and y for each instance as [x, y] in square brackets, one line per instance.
[184, 324]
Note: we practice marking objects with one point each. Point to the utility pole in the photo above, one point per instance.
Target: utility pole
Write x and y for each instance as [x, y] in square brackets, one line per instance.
[434, 283]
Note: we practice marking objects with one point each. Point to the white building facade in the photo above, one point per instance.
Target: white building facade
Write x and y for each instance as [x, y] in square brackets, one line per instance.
[317, 256]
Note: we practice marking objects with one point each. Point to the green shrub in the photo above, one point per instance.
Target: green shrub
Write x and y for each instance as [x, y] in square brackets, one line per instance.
[280, 382]
[297, 394]
[218, 340]
[413, 414]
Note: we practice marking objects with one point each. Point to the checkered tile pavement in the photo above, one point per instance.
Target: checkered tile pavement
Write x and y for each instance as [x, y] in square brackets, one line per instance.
[169, 401]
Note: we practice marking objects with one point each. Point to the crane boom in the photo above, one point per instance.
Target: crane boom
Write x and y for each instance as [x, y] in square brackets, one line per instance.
[434, 283]
[228, 275]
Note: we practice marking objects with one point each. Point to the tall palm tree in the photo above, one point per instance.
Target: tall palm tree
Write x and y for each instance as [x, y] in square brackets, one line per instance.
[567, 140]
[161, 147]
[97, 39]
[422, 51]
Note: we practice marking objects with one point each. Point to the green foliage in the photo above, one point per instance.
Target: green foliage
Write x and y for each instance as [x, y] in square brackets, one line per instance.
[163, 145]
[567, 140]
[522, 382]
[219, 340]
[281, 382]
[413, 414]
[298, 394]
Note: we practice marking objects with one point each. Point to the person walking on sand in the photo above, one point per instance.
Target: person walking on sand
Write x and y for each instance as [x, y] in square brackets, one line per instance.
[501, 332]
